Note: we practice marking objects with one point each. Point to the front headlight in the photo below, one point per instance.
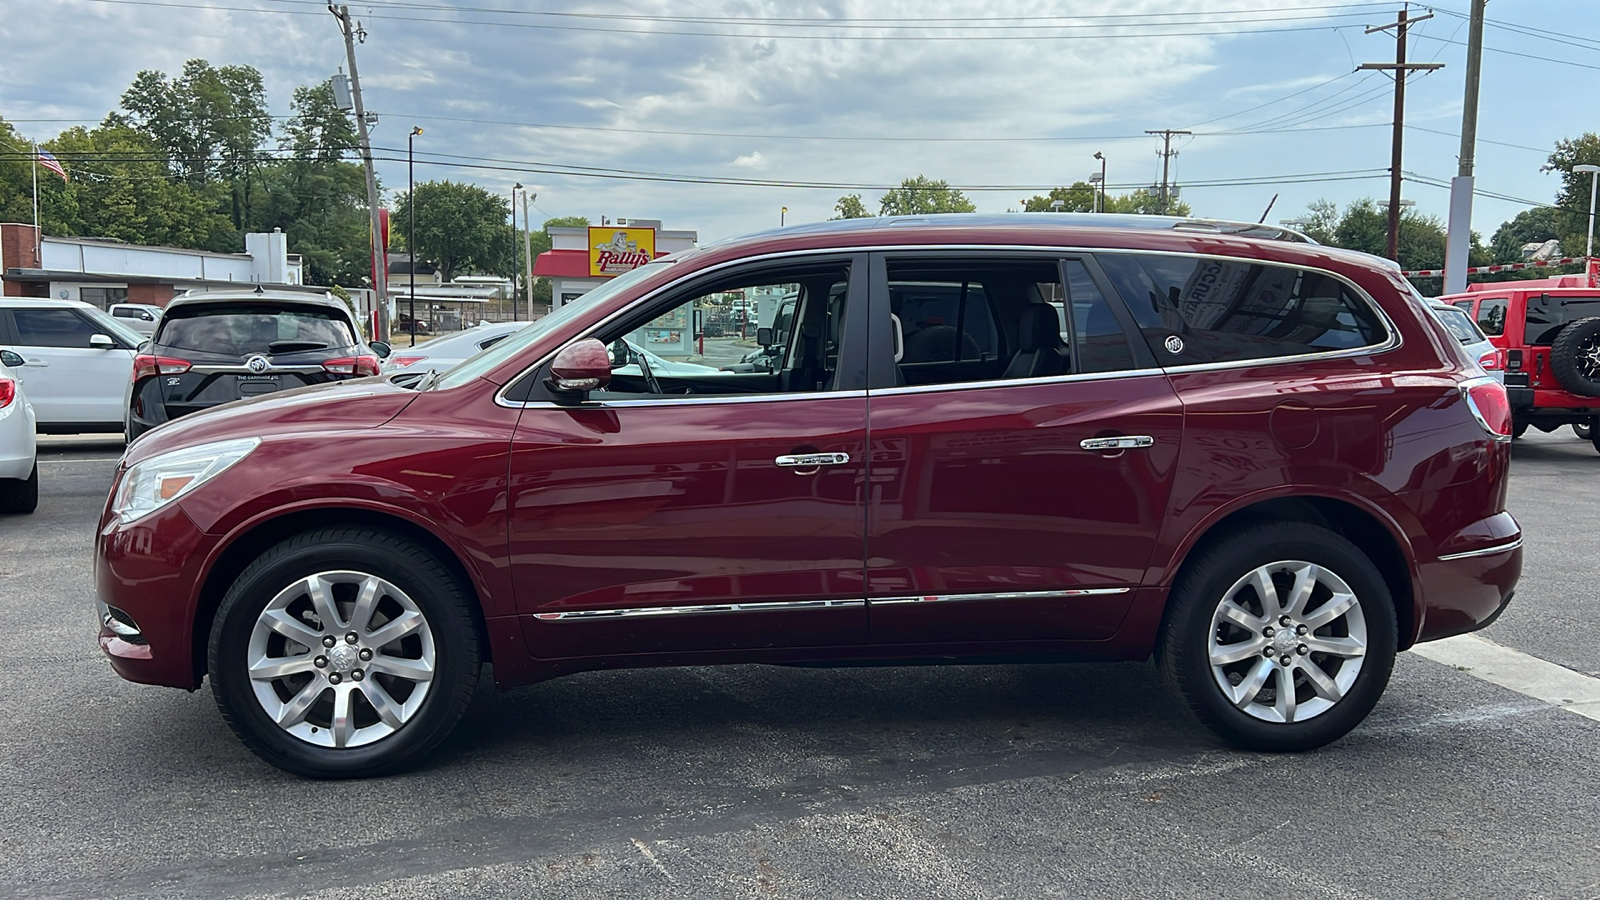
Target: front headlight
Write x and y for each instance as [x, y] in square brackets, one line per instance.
[161, 479]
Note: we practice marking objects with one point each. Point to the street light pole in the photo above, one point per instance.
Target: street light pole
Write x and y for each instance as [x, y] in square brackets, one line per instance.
[1594, 175]
[411, 229]
[1100, 206]
[783, 213]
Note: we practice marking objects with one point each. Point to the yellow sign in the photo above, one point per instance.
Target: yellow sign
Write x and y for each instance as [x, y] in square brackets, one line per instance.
[614, 250]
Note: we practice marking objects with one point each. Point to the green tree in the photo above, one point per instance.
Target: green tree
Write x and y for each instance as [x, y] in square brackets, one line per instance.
[1531, 226]
[461, 228]
[1079, 197]
[1573, 198]
[317, 196]
[210, 122]
[850, 207]
[120, 189]
[1364, 226]
[16, 181]
[922, 196]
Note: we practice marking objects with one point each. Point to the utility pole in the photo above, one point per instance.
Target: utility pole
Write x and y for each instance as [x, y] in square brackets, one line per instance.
[1458, 240]
[1167, 153]
[527, 245]
[1401, 69]
[380, 275]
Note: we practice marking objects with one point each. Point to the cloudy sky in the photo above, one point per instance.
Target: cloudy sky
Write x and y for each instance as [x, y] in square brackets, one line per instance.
[802, 102]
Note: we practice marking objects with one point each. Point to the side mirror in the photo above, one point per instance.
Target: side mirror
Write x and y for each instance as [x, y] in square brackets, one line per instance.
[764, 337]
[581, 367]
[101, 342]
[381, 348]
[144, 346]
[11, 360]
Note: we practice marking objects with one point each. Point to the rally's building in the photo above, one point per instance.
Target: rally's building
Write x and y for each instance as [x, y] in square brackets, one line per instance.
[581, 259]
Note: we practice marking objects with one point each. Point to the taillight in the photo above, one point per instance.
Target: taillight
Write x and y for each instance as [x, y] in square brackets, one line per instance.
[8, 391]
[145, 366]
[1492, 361]
[400, 362]
[1490, 406]
[358, 366]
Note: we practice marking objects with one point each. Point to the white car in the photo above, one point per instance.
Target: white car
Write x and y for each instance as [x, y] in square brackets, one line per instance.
[19, 465]
[444, 352]
[1464, 330]
[77, 362]
[141, 317]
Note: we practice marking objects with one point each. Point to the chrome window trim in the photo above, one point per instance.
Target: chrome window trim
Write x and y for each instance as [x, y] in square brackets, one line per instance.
[680, 399]
[1007, 382]
[1487, 551]
[578, 615]
[1393, 342]
[997, 595]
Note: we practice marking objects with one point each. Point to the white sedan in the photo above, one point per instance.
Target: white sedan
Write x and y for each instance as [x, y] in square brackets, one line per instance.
[442, 353]
[19, 465]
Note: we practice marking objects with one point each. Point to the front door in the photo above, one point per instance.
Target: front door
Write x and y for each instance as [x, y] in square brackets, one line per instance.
[701, 503]
[1019, 479]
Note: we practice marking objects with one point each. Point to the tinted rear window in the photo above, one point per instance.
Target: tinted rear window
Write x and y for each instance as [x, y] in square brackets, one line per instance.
[1548, 315]
[242, 330]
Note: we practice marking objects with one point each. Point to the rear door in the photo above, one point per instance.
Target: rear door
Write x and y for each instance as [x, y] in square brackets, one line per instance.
[1007, 505]
[68, 381]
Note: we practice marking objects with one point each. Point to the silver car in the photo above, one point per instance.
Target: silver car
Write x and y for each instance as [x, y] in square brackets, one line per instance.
[1463, 329]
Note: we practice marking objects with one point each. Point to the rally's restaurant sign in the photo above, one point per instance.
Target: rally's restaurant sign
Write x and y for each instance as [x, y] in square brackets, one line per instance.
[613, 250]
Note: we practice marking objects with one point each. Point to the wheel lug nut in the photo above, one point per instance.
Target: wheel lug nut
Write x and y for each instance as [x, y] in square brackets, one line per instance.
[328, 640]
[1267, 653]
[351, 638]
[1285, 621]
[357, 674]
[365, 654]
[1302, 649]
[1301, 630]
[334, 678]
[1287, 660]
[320, 662]
[1268, 631]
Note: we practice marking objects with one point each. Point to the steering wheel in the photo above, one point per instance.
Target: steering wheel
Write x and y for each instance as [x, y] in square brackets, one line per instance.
[649, 377]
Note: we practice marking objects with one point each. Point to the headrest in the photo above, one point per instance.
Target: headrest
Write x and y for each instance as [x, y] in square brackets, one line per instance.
[1040, 327]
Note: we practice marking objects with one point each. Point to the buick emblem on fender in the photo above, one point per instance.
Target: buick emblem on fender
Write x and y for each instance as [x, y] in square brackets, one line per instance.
[1174, 344]
[259, 364]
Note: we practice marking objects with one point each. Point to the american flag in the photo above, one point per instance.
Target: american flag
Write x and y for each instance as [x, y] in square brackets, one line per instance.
[48, 160]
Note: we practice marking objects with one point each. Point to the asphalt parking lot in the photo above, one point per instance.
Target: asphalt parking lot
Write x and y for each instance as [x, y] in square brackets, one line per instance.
[998, 781]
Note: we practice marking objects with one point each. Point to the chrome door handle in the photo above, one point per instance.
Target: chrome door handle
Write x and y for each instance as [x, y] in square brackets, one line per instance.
[1125, 442]
[812, 460]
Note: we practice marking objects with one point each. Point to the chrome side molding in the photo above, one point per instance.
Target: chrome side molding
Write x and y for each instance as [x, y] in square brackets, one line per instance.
[996, 595]
[708, 609]
[1487, 551]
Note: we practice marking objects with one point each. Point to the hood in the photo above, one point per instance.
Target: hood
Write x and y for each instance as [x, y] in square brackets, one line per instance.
[334, 407]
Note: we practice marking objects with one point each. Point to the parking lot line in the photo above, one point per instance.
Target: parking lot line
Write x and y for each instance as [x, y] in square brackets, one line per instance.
[1528, 675]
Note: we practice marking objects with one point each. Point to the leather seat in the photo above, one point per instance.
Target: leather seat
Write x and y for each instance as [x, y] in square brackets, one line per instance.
[1041, 352]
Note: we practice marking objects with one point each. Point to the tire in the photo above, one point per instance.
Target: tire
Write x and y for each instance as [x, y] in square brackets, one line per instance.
[423, 680]
[1216, 613]
[20, 495]
[1575, 357]
[1518, 429]
[1584, 432]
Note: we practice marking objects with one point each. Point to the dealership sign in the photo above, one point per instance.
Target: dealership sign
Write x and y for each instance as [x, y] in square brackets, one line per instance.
[613, 251]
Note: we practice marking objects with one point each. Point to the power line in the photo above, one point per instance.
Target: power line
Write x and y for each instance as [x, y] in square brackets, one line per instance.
[1278, 100]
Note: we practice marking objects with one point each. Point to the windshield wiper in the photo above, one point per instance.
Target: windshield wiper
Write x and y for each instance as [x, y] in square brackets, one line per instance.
[293, 346]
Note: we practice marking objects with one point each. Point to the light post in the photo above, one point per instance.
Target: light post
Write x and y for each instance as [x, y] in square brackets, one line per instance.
[515, 259]
[1594, 174]
[783, 213]
[1100, 205]
[411, 229]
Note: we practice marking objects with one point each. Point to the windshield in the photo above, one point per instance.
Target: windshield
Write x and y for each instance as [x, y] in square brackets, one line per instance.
[116, 329]
[1460, 325]
[490, 359]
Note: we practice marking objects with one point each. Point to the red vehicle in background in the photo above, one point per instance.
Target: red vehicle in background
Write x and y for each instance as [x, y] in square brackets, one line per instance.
[1029, 437]
[1548, 333]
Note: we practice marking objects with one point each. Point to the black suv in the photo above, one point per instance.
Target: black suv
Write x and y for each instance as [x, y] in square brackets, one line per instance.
[216, 347]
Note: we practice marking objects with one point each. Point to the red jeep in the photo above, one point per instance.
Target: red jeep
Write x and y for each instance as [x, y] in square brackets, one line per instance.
[1549, 333]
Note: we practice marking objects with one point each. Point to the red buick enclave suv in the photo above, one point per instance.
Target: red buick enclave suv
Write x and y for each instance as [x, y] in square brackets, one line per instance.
[1258, 460]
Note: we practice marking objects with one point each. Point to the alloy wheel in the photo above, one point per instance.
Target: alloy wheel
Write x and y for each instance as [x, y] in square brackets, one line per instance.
[341, 659]
[1287, 641]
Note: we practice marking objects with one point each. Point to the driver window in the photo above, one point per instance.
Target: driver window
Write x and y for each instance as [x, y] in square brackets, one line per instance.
[777, 334]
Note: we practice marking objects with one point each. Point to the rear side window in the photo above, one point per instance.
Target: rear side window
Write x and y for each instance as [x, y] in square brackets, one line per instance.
[245, 329]
[1101, 344]
[933, 309]
[1205, 310]
[1547, 315]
